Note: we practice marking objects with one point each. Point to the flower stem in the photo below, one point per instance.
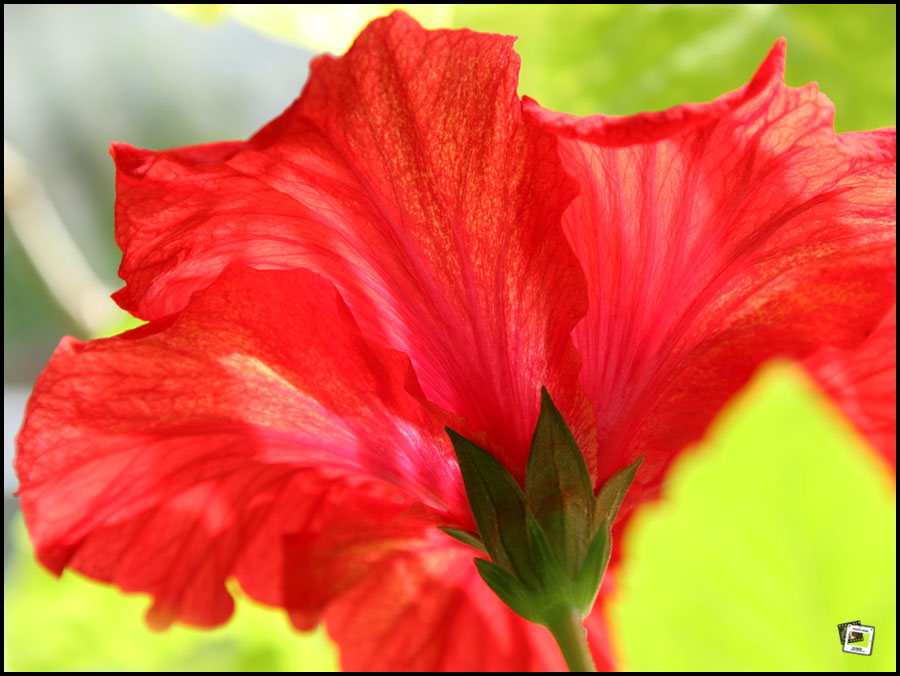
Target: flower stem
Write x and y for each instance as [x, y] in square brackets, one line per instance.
[566, 626]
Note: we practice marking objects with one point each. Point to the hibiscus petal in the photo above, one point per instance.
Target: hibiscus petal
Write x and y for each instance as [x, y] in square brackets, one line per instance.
[863, 382]
[405, 174]
[415, 602]
[715, 237]
[153, 458]
[395, 593]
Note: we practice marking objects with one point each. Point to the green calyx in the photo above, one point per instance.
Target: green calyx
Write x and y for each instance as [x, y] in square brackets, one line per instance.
[549, 545]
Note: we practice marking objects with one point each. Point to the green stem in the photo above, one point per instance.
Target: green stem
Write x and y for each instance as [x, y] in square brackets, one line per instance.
[566, 626]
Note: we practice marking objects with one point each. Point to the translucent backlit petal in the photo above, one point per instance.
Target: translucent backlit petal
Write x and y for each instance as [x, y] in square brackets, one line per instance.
[149, 459]
[406, 174]
[714, 237]
[863, 382]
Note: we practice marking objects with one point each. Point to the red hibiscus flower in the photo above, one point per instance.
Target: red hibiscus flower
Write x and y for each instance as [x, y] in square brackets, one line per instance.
[408, 246]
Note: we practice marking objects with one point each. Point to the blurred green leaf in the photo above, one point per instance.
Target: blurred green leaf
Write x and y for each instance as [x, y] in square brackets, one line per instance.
[76, 624]
[123, 322]
[624, 59]
[781, 526]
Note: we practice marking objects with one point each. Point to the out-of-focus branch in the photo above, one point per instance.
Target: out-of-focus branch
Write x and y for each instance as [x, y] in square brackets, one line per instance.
[51, 249]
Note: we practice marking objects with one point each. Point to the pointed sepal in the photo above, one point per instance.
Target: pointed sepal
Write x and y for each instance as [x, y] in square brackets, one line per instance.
[610, 497]
[510, 590]
[498, 505]
[558, 487]
[550, 544]
[555, 585]
[587, 585]
[466, 537]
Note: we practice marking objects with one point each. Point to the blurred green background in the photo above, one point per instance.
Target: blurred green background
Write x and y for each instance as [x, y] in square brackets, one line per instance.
[772, 533]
